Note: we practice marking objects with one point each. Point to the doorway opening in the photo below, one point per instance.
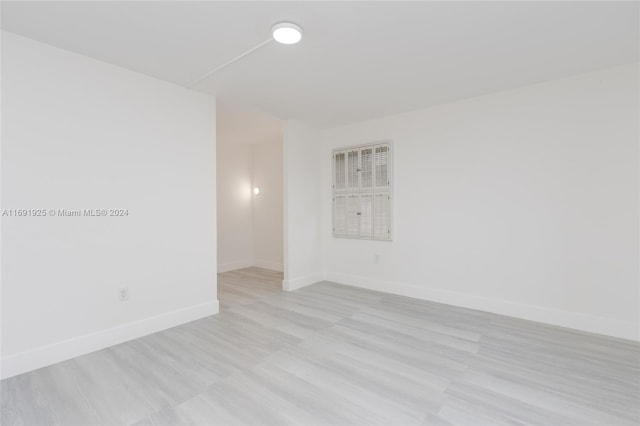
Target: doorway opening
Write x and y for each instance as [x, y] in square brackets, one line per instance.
[249, 167]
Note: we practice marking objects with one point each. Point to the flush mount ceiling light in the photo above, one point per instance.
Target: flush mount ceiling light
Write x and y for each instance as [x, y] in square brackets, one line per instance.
[286, 33]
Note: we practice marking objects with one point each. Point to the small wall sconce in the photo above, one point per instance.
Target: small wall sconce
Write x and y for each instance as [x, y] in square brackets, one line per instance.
[256, 190]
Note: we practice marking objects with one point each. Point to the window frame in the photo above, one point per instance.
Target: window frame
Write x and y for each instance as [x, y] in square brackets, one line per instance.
[346, 192]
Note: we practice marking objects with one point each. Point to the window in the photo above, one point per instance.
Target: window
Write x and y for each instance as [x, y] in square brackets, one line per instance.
[362, 192]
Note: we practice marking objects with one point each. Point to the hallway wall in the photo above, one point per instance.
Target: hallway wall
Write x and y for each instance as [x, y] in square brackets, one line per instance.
[235, 218]
[267, 207]
[249, 226]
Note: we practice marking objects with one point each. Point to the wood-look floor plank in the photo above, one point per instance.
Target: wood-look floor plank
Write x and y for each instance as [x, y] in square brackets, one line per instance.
[329, 354]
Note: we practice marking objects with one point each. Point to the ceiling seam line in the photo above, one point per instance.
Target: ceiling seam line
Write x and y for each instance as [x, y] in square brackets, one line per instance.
[226, 64]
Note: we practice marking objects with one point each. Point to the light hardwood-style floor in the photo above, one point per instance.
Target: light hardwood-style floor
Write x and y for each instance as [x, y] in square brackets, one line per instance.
[330, 354]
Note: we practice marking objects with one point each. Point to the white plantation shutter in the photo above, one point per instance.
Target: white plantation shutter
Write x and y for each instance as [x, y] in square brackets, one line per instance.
[352, 170]
[366, 168]
[366, 215]
[362, 192]
[382, 192]
[340, 214]
[382, 166]
[353, 215]
[339, 171]
[382, 229]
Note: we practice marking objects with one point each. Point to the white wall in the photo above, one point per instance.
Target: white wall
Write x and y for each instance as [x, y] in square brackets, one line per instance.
[235, 217]
[302, 206]
[267, 207]
[82, 134]
[249, 227]
[522, 202]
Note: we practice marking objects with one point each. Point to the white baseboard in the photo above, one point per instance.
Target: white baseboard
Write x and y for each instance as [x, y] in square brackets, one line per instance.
[593, 324]
[43, 356]
[296, 283]
[232, 266]
[267, 264]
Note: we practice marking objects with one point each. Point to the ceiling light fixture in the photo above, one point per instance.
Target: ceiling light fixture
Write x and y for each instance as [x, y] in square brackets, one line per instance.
[286, 33]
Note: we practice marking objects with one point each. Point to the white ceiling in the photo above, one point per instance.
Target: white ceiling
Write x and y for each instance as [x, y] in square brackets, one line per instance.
[357, 60]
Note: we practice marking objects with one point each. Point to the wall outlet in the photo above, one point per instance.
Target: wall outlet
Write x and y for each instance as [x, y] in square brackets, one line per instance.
[376, 259]
[123, 294]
